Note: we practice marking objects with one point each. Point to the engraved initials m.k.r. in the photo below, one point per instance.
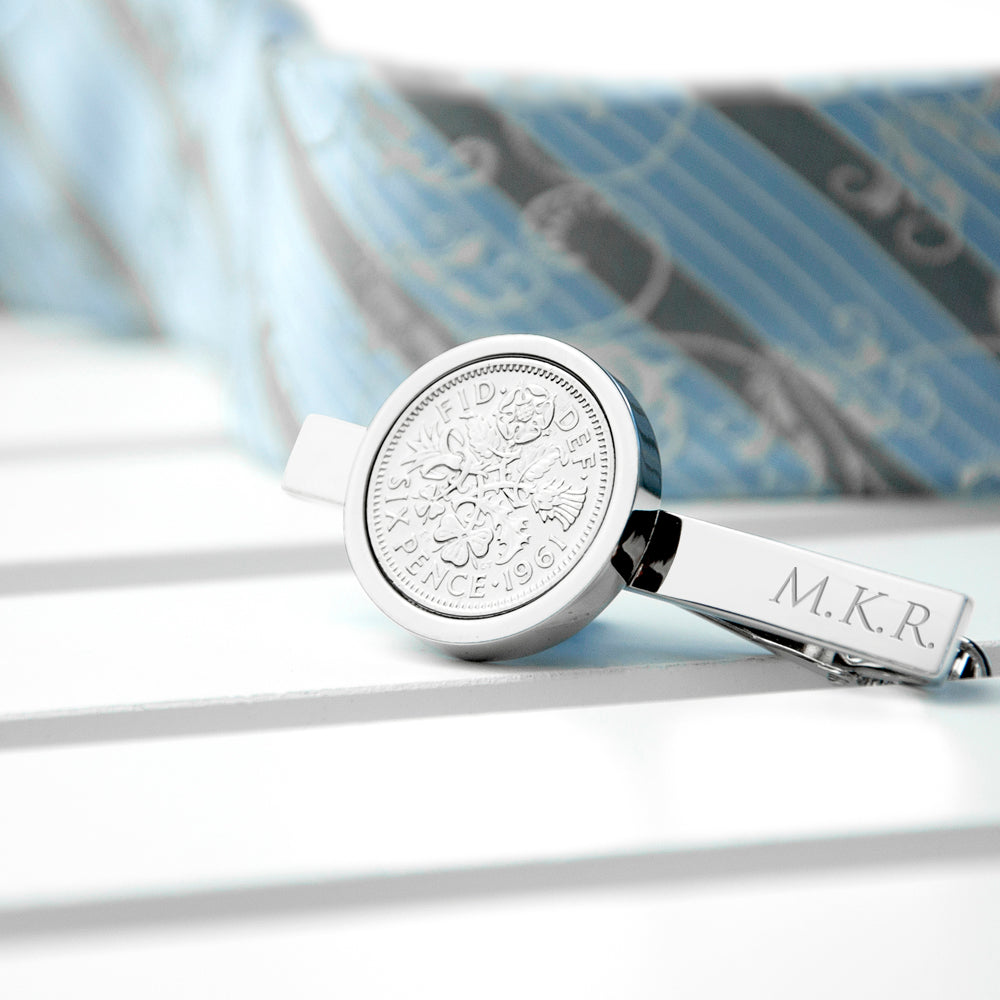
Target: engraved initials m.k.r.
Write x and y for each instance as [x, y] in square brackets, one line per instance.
[857, 604]
[793, 582]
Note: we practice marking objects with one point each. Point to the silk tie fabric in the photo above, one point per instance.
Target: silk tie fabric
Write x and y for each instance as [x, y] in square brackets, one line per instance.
[801, 286]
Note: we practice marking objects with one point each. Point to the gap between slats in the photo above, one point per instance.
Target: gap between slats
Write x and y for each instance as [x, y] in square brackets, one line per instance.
[770, 861]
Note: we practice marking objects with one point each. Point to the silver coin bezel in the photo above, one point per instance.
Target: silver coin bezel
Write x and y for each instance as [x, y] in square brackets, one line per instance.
[584, 590]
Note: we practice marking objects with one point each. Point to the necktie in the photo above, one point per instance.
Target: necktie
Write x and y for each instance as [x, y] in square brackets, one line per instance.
[800, 286]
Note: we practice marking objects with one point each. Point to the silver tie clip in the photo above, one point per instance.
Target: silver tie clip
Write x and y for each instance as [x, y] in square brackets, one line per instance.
[509, 489]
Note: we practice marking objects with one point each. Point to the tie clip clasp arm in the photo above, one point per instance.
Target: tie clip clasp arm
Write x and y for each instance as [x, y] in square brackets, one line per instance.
[851, 622]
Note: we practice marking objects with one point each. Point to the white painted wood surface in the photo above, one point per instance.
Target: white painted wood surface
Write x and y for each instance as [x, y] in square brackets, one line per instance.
[63, 391]
[223, 773]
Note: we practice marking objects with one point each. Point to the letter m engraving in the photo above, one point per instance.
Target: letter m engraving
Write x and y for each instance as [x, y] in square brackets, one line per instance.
[792, 583]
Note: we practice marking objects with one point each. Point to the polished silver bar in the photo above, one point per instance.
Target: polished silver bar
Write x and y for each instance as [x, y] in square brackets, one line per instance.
[824, 610]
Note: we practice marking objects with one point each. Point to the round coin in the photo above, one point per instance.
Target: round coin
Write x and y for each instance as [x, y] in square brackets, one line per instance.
[489, 486]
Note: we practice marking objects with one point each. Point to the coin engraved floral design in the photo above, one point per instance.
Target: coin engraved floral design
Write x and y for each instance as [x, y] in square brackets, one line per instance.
[488, 487]
[478, 480]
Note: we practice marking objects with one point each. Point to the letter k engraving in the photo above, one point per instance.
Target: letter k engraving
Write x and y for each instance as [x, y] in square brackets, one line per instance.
[857, 604]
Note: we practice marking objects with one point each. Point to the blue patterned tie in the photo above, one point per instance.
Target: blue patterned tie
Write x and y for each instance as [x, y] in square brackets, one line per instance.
[801, 288]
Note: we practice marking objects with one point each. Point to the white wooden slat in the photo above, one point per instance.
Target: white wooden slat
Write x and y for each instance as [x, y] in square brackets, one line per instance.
[913, 930]
[101, 508]
[276, 651]
[439, 795]
[65, 388]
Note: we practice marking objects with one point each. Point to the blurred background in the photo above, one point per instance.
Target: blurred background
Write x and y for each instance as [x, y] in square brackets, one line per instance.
[779, 226]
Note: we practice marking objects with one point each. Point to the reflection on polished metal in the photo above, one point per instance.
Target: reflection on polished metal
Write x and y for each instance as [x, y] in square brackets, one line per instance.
[510, 488]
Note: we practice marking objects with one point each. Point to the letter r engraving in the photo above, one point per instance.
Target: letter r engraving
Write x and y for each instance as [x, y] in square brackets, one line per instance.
[906, 622]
